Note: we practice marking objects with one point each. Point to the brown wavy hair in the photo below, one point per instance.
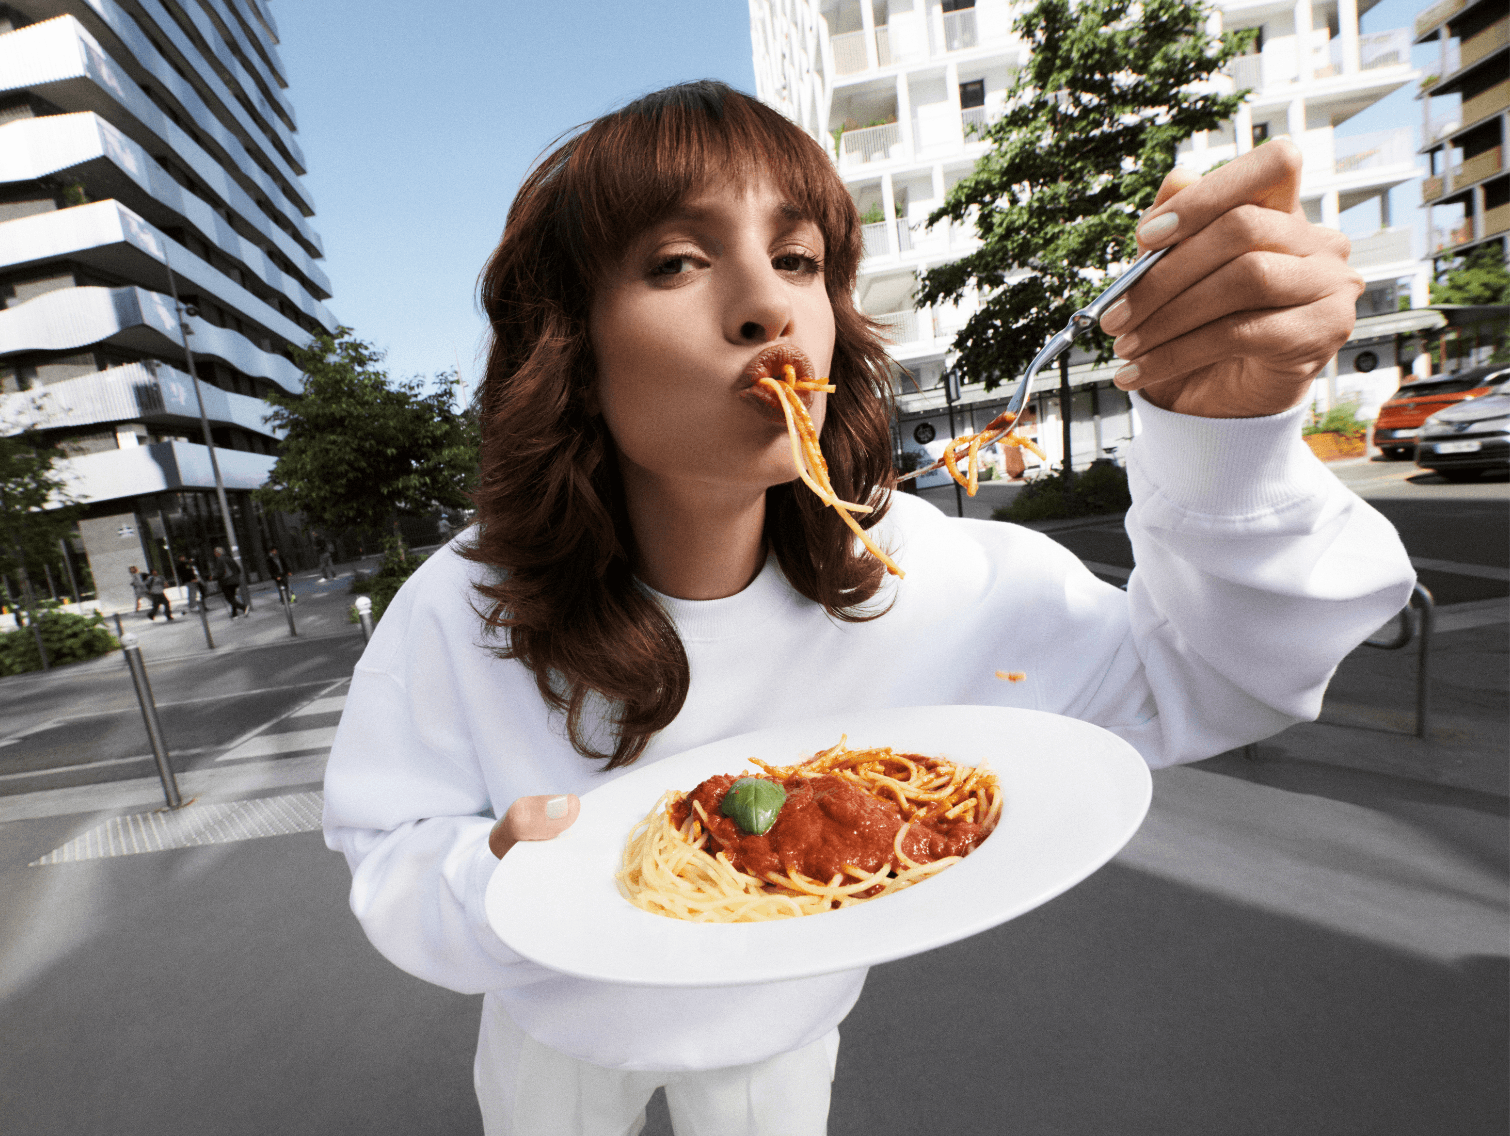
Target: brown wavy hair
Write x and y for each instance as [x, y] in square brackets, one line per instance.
[550, 503]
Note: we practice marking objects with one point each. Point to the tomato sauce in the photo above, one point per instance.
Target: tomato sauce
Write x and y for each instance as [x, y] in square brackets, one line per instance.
[826, 823]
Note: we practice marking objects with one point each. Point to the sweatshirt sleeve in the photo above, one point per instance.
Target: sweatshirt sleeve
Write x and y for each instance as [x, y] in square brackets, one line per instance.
[407, 804]
[1257, 573]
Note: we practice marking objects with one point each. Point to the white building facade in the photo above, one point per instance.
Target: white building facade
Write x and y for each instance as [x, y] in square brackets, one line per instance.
[903, 82]
[139, 137]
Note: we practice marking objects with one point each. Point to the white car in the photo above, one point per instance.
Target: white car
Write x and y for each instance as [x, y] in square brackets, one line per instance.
[1469, 437]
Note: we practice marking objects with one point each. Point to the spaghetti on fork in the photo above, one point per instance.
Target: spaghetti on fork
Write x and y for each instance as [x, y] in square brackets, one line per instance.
[808, 455]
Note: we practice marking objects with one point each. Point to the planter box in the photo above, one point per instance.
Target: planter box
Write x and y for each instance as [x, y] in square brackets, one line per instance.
[1334, 447]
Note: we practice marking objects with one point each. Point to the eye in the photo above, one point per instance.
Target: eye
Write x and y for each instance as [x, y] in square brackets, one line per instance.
[797, 263]
[673, 266]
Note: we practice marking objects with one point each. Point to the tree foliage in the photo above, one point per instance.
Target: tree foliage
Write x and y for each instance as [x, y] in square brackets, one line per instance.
[36, 508]
[360, 447]
[1479, 278]
[1092, 122]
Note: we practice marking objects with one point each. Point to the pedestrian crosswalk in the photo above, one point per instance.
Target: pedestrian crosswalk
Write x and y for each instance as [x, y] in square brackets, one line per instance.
[192, 826]
[295, 732]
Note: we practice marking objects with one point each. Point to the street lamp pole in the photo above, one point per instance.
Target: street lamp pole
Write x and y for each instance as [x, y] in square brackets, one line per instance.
[204, 421]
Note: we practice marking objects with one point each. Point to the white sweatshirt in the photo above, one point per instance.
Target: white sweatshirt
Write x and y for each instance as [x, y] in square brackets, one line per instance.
[1257, 571]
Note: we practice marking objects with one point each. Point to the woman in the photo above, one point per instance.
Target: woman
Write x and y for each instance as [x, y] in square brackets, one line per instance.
[646, 576]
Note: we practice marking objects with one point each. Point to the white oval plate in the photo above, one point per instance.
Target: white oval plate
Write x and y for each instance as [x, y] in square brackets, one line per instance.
[1074, 795]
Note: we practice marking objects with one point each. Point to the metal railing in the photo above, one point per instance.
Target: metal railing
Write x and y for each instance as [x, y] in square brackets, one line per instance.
[877, 242]
[1384, 49]
[870, 142]
[959, 30]
[900, 327]
[1420, 628]
[1373, 150]
[1387, 246]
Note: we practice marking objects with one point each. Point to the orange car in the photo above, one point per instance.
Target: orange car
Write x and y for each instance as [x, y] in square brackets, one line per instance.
[1400, 418]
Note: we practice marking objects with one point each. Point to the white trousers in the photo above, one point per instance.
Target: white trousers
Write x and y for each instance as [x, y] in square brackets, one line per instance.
[529, 1089]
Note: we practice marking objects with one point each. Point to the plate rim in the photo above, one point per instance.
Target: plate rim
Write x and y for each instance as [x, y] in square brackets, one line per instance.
[1129, 793]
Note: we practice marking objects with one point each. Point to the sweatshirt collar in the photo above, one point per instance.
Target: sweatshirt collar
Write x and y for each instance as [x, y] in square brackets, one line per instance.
[764, 598]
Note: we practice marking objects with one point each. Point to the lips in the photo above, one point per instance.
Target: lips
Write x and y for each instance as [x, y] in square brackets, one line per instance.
[768, 364]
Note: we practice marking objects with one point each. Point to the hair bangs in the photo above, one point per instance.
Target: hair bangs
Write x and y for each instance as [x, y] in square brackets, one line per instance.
[631, 169]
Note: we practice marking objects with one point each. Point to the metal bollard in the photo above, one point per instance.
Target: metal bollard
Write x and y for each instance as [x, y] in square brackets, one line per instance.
[1420, 627]
[149, 716]
[204, 621]
[364, 615]
[120, 632]
[288, 610]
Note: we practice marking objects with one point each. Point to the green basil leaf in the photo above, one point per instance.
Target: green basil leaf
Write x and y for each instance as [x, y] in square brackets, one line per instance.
[753, 803]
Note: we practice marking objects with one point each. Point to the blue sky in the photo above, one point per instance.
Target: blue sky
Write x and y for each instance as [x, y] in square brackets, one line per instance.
[419, 121]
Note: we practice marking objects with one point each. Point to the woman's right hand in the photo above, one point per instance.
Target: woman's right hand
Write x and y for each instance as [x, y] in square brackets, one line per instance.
[533, 818]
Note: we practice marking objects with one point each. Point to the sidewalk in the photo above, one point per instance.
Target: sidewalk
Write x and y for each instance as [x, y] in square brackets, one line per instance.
[1312, 942]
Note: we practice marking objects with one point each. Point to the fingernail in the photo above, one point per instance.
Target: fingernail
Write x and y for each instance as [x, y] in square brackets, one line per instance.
[1127, 375]
[1115, 316]
[1160, 227]
[555, 808]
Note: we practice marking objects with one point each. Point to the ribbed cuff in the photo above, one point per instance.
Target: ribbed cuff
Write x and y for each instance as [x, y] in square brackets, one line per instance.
[1231, 467]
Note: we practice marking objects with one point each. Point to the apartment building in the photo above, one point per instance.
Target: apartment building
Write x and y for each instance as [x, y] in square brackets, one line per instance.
[900, 85]
[148, 146]
[1465, 112]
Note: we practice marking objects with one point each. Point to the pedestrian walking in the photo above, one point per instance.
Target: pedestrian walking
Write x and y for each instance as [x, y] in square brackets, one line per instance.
[327, 563]
[157, 592]
[138, 586]
[278, 570]
[193, 582]
[227, 574]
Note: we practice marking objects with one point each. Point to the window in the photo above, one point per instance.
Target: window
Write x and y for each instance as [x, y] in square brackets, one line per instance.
[957, 5]
[972, 94]
[1260, 133]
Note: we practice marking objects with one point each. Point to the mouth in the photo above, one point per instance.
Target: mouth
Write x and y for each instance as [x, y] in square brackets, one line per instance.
[769, 364]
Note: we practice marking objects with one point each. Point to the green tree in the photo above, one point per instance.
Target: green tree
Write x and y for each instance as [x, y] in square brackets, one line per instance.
[1109, 91]
[1479, 278]
[361, 447]
[36, 509]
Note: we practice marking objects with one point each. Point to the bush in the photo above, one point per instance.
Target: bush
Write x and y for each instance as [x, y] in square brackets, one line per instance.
[1341, 419]
[68, 638]
[397, 565]
[1100, 489]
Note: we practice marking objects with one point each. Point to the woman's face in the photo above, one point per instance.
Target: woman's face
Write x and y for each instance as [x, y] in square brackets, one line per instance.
[727, 289]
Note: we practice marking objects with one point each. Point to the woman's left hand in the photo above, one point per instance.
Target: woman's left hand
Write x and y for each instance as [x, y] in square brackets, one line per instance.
[1236, 321]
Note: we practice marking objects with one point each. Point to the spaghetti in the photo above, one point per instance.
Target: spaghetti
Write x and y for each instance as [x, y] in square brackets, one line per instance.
[856, 825]
[808, 455]
[973, 444]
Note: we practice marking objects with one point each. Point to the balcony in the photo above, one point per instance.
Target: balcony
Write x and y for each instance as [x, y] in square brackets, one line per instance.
[1437, 240]
[899, 327]
[878, 237]
[1387, 246]
[1279, 64]
[1431, 189]
[1492, 38]
[1497, 220]
[1485, 103]
[849, 53]
[1382, 49]
[1477, 168]
[959, 30]
[1376, 150]
[974, 120]
[1438, 14]
[869, 144]
[1440, 128]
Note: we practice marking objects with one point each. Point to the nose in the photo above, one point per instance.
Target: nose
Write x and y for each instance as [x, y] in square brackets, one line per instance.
[759, 308]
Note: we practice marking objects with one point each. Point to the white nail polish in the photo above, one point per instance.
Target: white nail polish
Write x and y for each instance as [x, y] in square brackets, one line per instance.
[1160, 227]
[555, 808]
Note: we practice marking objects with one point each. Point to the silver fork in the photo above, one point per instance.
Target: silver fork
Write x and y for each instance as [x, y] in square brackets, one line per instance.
[1081, 322]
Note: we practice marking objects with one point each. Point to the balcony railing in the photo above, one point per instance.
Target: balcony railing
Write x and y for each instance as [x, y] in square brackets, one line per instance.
[1431, 189]
[1497, 220]
[1388, 246]
[869, 143]
[974, 120]
[1439, 240]
[959, 30]
[877, 237]
[1492, 38]
[1372, 151]
[1477, 168]
[1442, 127]
[849, 53]
[1485, 103]
[1247, 72]
[898, 327]
[883, 47]
[1382, 49]
[1438, 13]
